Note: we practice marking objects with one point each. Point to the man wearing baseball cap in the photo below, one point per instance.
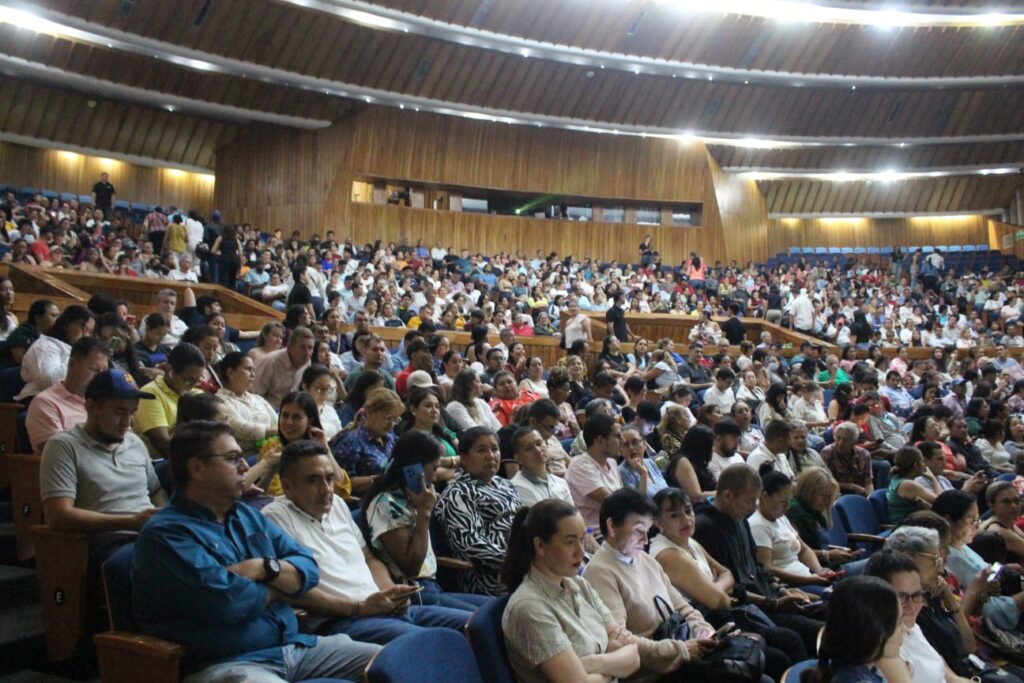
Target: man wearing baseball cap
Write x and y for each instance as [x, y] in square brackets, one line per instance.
[98, 478]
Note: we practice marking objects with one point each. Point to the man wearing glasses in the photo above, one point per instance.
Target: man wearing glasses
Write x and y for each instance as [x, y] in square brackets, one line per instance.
[218, 578]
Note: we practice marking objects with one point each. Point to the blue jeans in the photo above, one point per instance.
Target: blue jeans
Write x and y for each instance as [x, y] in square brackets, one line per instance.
[383, 630]
[433, 595]
[336, 656]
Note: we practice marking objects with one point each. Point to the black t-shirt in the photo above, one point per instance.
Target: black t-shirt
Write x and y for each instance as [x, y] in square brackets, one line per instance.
[735, 331]
[104, 194]
[300, 294]
[616, 319]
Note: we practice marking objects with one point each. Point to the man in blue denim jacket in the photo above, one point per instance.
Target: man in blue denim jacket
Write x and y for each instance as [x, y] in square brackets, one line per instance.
[217, 577]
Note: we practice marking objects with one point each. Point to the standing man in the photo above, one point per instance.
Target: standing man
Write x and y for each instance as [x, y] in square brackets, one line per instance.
[801, 313]
[103, 194]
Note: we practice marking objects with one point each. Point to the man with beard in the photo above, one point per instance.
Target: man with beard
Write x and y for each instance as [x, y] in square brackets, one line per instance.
[723, 452]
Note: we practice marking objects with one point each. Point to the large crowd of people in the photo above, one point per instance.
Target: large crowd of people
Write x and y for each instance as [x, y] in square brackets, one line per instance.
[309, 463]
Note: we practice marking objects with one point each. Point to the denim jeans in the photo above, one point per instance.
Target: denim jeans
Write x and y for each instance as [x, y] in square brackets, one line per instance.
[337, 656]
[433, 595]
[384, 629]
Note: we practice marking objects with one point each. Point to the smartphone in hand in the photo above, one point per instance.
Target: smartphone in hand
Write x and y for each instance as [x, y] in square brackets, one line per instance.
[412, 475]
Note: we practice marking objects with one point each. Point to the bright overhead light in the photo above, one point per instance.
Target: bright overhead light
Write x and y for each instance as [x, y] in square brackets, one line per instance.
[836, 13]
[887, 176]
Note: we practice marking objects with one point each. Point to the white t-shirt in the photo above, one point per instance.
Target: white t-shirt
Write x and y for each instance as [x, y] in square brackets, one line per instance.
[926, 665]
[532, 492]
[585, 476]
[723, 399]
[782, 539]
[761, 455]
[696, 551]
[719, 463]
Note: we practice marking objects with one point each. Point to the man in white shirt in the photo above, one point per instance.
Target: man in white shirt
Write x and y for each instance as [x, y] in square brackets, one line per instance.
[594, 474]
[801, 313]
[533, 481]
[774, 450]
[356, 595]
[723, 452]
[184, 272]
[166, 302]
[721, 393]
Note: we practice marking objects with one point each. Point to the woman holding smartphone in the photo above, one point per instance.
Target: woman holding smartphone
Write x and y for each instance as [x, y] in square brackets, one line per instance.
[397, 511]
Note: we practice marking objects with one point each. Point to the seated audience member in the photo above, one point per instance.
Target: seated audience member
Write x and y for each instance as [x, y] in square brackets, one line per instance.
[221, 580]
[420, 358]
[944, 615]
[150, 348]
[1005, 504]
[533, 481]
[270, 339]
[594, 475]
[990, 444]
[556, 627]
[364, 452]
[629, 590]
[906, 494]
[62, 406]
[46, 361]
[863, 628]
[598, 406]
[425, 414]
[935, 461]
[466, 408]
[350, 411]
[800, 455]
[166, 302]
[779, 547]
[701, 579]
[722, 529]
[41, 316]
[97, 477]
[751, 435]
[916, 654]
[558, 389]
[250, 416]
[359, 597]
[375, 358]
[672, 427]
[810, 513]
[727, 440]
[475, 511]
[637, 470]
[201, 406]
[399, 520]
[720, 393]
[508, 398]
[206, 338]
[774, 450]
[543, 415]
[156, 419]
[299, 419]
[960, 510]
[688, 468]
[318, 382]
[849, 463]
[280, 372]
[964, 458]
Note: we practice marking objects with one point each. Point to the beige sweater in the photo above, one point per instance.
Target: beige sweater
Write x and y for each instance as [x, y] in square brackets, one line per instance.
[628, 591]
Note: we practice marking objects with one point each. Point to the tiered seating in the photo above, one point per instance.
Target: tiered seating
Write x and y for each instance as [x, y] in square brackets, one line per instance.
[960, 258]
[136, 211]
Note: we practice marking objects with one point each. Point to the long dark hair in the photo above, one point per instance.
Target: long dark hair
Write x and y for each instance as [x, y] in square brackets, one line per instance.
[37, 309]
[364, 382]
[538, 521]
[413, 447]
[74, 313]
[308, 405]
[863, 613]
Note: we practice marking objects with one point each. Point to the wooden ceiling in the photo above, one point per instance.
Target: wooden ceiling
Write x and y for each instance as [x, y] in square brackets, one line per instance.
[304, 41]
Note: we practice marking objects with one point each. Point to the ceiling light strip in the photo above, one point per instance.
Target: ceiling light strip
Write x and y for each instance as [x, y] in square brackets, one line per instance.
[47, 22]
[22, 68]
[844, 175]
[890, 214]
[794, 11]
[59, 146]
[390, 19]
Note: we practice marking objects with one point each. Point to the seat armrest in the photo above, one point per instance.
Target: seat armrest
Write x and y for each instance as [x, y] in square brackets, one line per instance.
[865, 538]
[452, 563]
[124, 656]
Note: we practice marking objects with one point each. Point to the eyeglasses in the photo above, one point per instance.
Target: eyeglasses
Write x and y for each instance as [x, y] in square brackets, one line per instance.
[906, 598]
[322, 390]
[1009, 501]
[233, 459]
[936, 558]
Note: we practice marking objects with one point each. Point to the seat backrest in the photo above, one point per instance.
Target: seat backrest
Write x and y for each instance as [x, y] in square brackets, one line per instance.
[793, 673]
[438, 541]
[163, 473]
[11, 384]
[880, 504]
[488, 642]
[856, 514]
[426, 656]
[117, 583]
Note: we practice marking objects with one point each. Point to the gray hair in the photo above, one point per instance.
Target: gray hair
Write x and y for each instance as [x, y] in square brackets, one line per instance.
[847, 427]
[913, 539]
[596, 404]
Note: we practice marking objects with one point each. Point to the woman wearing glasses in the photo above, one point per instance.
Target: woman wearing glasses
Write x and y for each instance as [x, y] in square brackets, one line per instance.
[365, 451]
[916, 655]
[318, 382]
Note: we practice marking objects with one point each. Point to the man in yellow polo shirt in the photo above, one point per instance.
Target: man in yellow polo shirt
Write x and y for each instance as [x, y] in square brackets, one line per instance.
[155, 420]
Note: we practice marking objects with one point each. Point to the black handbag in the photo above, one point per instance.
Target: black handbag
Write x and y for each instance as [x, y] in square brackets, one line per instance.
[739, 659]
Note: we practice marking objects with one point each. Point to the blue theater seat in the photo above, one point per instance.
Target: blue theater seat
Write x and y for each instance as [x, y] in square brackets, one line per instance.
[488, 643]
[430, 655]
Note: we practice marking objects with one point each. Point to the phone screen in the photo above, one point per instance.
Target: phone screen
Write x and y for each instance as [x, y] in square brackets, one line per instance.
[726, 628]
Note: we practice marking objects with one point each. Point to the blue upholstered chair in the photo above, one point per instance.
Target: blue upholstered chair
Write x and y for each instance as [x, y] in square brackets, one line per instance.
[435, 654]
[488, 643]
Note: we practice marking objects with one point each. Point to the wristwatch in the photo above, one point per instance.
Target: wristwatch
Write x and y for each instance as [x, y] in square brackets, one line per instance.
[272, 569]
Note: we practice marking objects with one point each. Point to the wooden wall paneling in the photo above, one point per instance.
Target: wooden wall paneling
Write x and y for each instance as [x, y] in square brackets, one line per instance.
[885, 232]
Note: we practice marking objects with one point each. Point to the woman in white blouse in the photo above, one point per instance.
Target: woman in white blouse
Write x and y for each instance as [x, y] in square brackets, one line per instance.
[7, 319]
[46, 361]
[466, 408]
[249, 414]
[534, 380]
[318, 382]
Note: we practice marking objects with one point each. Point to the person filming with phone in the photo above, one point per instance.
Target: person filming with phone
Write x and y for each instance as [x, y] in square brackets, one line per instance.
[356, 595]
